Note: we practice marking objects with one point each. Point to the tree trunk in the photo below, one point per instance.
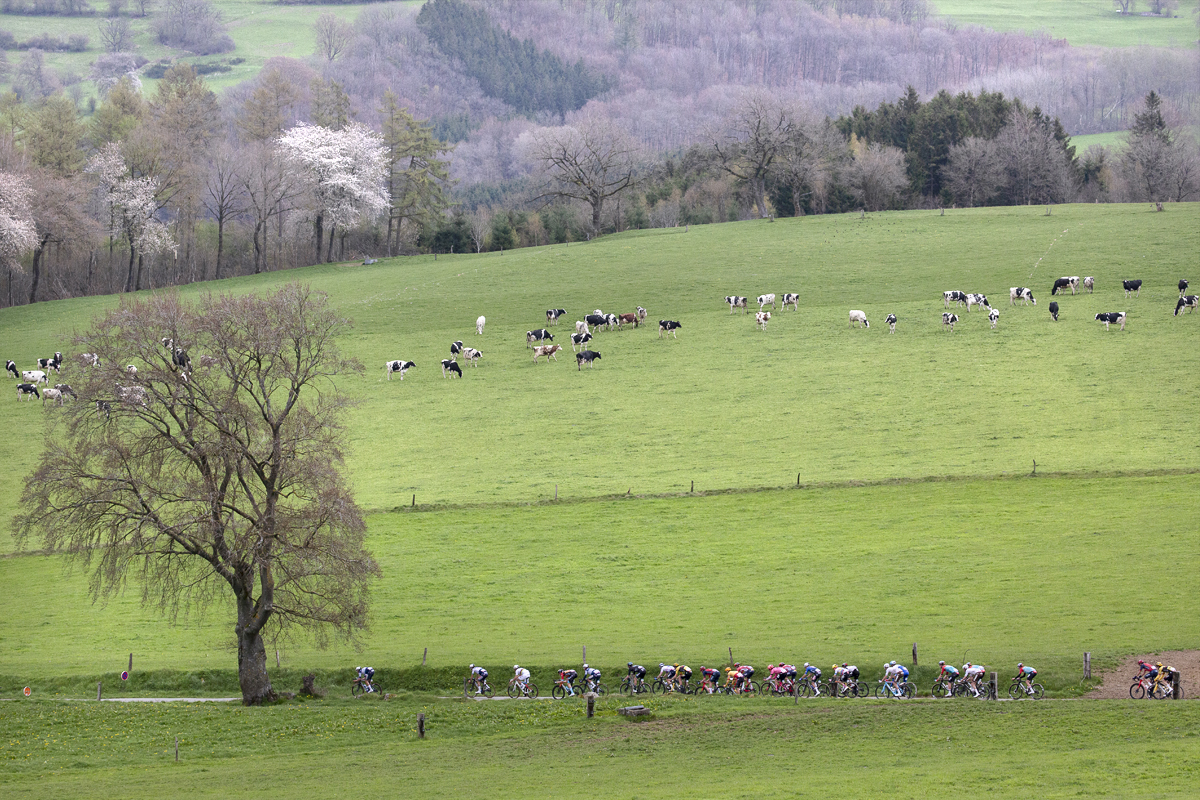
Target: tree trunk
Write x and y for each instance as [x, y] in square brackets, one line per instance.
[129, 273]
[252, 657]
[758, 186]
[258, 247]
[137, 284]
[329, 252]
[318, 231]
[597, 207]
[220, 244]
[36, 269]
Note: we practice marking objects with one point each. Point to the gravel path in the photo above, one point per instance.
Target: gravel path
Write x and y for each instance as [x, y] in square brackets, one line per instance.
[1116, 683]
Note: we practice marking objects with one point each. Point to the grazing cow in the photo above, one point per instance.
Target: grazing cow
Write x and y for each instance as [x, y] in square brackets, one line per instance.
[858, 319]
[66, 390]
[51, 394]
[581, 327]
[1089, 283]
[891, 321]
[472, 355]
[641, 312]
[949, 319]
[11, 366]
[131, 369]
[450, 368]
[50, 363]
[33, 376]
[479, 323]
[208, 361]
[977, 300]
[400, 365]
[1132, 286]
[625, 319]
[552, 315]
[456, 348]
[134, 395]
[954, 296]
[763, 299]
[762, 318]
[1188, 301]
[668, 326]
[104, 407]
[578, 339]
[1110, 317]
[1183, 284]
[1020, 293]
[1054, 310]
[790, 299]
[736, 302]
[612, 321]
[595, 320]
[993, 316]
[1065, 282]
[540, 335]
[26, 389]
[589, 357]
[547, 350]
[180, 358]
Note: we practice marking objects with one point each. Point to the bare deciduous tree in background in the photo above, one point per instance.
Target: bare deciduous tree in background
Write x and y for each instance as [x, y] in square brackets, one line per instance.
[212, 482]
[751, 140]
[334, 35]
[973, 172]
[876, 175]
[115, 34]
[590, 162]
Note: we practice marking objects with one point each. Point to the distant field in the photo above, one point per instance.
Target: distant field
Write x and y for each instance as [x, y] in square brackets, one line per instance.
[1116, 139]
[1080, 22]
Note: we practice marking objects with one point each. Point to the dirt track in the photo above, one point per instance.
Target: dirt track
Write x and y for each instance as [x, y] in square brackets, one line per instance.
[1116, 683]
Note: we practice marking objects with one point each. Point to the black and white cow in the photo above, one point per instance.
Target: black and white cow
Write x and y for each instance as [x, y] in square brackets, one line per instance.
[668, 326]
[26, 389]
[399, 366]
[858, 319]
[1132, 287]
[954, 296]
[764, 299]
[552, 315]
[540, 335]
[891, 322]
[596, 320]
[579, 339]
[456, 348]
[1188, 302]
[50, 363]
[1054, 310]
[472, 355]
[641, 312]
[612, 320]
[736, 302]
[1111, 317]
[1089, 283]
[66, 390]
[51, 394]
[11, 366]
[949, 319]
[1183, 284]
[589, 357]
[89, 359]
[762, 318]
[104, 407]
[791, 299]
[450, 368]
[1065, 282]
[993, 316]
[977, 300]
[1016, 293]
[33, 376]
[180, 358]
[581, 326]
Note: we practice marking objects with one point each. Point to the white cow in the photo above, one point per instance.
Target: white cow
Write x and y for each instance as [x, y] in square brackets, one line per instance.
[479, 323]
[859, 319]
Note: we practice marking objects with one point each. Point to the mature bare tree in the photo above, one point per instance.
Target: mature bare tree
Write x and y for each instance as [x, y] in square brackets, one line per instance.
[751, 139]
[809, 160]
[224, 194]
[590, 161]
[60, 219]
[334, 35]
[876, 175]
[973, 172]
[115, 34]
[224, 478]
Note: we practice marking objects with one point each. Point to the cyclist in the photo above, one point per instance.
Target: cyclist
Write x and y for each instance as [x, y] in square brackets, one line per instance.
[1168, 675]
[666, 673]
[812, 675]
[789, 670]
[636, 674]
[1026, 674]
[950, 673]
[837, 677]
[775, 675]
[521, 676]
[1158, 675]
[591, 676]
[850, 674]
[973, 675]
[569, 675]
[732, 678]
[709, 676]
[479, 676]
[1144, 668]
[365, 676]
[683, 674]
[744, 673]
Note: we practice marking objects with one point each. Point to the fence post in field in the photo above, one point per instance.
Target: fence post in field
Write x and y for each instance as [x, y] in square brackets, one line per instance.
[994, 688]
[177, 749]
[420, 726]
[99, 690]
[591, 698]
[277, 658]
[585, 654]
[424, 656]
[1087, 665]
[131, 662]
[731, 656]
[1176, 687]
[914, 654]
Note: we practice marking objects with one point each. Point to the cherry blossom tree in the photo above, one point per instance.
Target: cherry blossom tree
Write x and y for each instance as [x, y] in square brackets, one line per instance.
[18, 233]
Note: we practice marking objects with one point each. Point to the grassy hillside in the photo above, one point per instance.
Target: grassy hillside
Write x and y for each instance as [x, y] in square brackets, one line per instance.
[1080, 22]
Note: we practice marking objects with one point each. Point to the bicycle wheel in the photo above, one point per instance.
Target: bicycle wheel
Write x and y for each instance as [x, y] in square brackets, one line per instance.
[355, 689]
[658, 687]
[600, 689]
[626, 688]
[940, 690]
[1137, 691]
[487, 689]
[910, 691]
[558, 692]
[468, 687]
[1015, 691]
[1038, 691]
[514, 691]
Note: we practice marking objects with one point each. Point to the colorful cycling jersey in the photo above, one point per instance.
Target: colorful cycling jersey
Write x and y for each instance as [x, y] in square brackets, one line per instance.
[1028, 672]
[711, 674]
[838, 673]
[949, 670]
[479, 672]
[522, 674]
[746, 670]
[638, 669]
[850, 671]
[811, 670]
[778, 672]
[975, 670]
[789, 670]
[684, 671]
[903, 671]
[667, 671]
[592, 674]
[366, 672]
[569, 674]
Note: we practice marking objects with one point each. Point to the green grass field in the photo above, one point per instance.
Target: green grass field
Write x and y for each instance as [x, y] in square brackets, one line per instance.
[917, 520]
[1080, 22]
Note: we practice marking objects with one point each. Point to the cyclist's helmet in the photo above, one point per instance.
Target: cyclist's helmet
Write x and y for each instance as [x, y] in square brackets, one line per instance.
[735, 666]
[846, 664]
[941, 663]
[892, 664]
[472, 666]
[629, 664]
[516, 666]
[661, 664]
[585, 666]
[770, 666]
[1019, 665]
[805, 663]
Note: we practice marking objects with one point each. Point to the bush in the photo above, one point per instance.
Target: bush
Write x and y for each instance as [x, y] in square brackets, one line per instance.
[7, 40]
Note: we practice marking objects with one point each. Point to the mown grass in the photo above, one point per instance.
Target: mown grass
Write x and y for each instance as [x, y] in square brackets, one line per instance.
[1080, 22]
[754, 748]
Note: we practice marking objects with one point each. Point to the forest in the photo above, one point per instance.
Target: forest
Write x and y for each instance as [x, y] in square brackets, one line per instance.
[492, 124]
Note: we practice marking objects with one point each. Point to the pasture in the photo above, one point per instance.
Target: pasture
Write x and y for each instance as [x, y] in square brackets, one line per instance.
[1080, 22]
[917, 518]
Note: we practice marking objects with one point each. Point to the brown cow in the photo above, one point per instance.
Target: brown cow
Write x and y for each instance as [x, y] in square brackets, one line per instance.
[628, 318]
[547, 350]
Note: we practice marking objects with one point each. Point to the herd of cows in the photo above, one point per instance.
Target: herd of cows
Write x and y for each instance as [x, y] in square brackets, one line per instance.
[540, 340]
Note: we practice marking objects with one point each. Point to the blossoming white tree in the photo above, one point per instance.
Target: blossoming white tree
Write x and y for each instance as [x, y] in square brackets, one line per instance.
[343, 172]
[18, 233]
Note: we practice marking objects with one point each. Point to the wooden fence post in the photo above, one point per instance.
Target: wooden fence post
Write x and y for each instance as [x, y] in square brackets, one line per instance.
[1087, 665]
[731, 656]
[424, 656]
[585, 654]
[176, 749]
[1176, 687]
[420, 726]
[131, 662]
[914, 654]
[99, 690]
[277, 658]
[591, 698]
[994, 687]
